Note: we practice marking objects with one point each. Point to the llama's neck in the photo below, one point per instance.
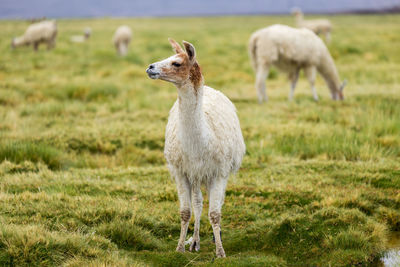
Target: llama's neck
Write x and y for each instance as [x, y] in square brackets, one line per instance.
[299, 19]
[194, 132]
[328, 71]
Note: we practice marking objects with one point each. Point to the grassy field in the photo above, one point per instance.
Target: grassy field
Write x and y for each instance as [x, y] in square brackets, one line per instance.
[83, 179]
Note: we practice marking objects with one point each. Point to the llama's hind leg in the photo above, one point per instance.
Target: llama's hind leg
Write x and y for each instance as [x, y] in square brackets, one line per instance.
[35, 46]
[311, 73]
[261, 76]
[184, 195]
[197, 202]
[293, 77]
[216, 198]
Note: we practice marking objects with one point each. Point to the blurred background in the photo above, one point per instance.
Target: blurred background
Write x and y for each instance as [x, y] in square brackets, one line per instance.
[122, 8]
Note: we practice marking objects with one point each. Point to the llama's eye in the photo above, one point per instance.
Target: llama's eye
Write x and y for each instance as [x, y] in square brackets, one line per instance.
[176, 64]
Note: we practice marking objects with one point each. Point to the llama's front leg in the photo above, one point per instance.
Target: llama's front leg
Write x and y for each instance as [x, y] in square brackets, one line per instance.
[261, 76]
[311, 75]
[197, 202]
[217, 195]
[183, 188]
[293, 78]
[35, 46]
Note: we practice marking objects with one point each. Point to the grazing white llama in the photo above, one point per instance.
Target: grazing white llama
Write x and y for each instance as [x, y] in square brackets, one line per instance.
[37, 33]
[87, 32]
[291, 50]
[318, 26]
[203, 141]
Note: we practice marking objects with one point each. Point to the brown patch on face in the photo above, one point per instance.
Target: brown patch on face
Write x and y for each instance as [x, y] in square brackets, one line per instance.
[179, 73]
[182, 71]
[185, 71]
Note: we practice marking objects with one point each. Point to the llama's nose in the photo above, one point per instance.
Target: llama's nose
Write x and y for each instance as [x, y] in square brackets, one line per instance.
[152, 72]
[151, 69]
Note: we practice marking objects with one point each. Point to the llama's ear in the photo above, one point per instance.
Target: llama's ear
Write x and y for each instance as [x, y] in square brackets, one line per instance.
[175, 46]
[191, 52]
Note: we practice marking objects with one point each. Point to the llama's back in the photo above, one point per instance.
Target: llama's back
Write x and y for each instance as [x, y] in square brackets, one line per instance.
[41, 31]
[317, 25]
[284, 44]
[122, 34]
[227, 148]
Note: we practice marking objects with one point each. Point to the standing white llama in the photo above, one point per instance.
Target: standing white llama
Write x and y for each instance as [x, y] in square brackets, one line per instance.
[203, 141]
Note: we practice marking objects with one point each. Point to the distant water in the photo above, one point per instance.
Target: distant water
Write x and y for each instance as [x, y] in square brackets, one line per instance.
[391, 258]
[129, 8]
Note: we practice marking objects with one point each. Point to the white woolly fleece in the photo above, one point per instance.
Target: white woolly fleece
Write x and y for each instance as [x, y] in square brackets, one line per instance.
[205, 141]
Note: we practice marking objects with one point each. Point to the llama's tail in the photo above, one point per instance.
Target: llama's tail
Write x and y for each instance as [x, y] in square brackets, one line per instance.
[253, 51]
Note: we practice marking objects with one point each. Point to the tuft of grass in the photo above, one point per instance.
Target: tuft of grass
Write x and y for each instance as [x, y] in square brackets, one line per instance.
[21, 151]
[250, 260]
[127, 235]
[325, 231]
[92, 92]
[34, 246]
[26, 166]
[93, 145]
[167, 259]
[102, 92]
[390, 216]
[341, 146]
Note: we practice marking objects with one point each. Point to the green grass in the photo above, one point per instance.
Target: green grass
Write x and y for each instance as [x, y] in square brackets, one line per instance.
[32, 152]
[83, 180]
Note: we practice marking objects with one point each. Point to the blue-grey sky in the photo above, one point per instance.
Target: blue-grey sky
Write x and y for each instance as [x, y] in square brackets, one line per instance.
[127, 8]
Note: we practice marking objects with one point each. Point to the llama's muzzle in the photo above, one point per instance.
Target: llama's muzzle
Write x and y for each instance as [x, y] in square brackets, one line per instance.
[152, 72]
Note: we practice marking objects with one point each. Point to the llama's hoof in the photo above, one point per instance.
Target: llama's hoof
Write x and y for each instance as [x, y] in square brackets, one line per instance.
[316, 99]
[220, 253]
[180, 248]
[195, 245]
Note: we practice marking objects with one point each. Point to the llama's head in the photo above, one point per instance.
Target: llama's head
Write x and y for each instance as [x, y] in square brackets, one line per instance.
[18, 41]
[179, 68]
[337, 92]
[87, 32]
[340, 92]
[296, 11]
